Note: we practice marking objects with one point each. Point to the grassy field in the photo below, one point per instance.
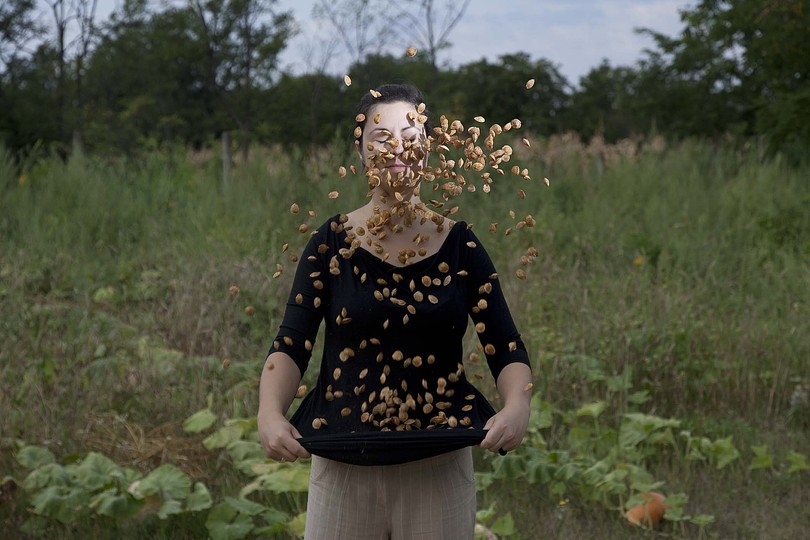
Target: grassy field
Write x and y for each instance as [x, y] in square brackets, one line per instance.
[666, 316]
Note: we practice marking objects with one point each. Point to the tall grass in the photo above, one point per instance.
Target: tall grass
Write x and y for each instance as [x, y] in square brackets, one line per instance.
[686, 267]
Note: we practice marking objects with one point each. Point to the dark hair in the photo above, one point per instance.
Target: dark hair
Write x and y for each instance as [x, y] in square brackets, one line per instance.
[390, 93]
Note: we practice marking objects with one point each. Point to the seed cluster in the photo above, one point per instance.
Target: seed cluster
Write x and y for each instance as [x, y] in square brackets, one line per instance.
[467, 159]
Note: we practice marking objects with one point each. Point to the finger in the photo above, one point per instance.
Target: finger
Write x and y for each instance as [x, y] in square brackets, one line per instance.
[492, 437]
[300, 450]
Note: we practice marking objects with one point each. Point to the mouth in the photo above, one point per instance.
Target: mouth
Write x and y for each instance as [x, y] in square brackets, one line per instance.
[396, 165]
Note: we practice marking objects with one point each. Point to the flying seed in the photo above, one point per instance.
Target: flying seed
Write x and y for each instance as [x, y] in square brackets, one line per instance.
[249, 311]
[336, 373]
[308, 345]
[426, 281]
[316, 301]
[357, 132]
[432, 299]
[360, 118]
[299, 298]
[479, 119]
[512, 346]
[341, 171]
[374, 94]
[363, 373]
[480, 327]
[411, 52]
[302, 390]
[233, 290]
[444, 267]
[489, 349]
[288, 341]
[377, 118]
[227, 363]
[294, 208]
[417, 361]
[528, 387]
[520, 273]
[546, 181]
[529, 84]
[347, 80]
[467, 408]
[303, 228]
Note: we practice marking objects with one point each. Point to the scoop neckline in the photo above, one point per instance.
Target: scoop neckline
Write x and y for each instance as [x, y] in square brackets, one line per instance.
[428, 258]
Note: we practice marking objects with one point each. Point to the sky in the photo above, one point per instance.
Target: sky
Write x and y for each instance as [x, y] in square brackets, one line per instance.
[575, 35]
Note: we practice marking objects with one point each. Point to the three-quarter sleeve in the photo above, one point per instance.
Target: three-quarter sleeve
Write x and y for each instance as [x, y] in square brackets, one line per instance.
[487, 306]
[306, 305]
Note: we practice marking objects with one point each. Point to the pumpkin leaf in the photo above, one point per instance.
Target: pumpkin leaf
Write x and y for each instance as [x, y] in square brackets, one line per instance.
[199, 421]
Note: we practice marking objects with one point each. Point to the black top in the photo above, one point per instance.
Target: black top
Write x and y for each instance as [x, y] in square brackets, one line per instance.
[392, 357]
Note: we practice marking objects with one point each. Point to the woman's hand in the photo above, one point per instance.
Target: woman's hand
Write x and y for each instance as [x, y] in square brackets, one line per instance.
[278, 438]
[507, 428]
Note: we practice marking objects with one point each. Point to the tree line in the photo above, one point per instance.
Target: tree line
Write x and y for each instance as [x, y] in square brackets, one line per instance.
[190, 71]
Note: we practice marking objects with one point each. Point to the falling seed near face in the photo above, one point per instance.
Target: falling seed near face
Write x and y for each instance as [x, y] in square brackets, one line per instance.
[334, 194]
[529, 84]
[411, 52]
[357, 132]
[341, 171]
[489, 349]
[316, 423]
[302, 390]
[347, 80]
[526, 142]
[294, 208]
[528, 387]
[374, 93]
[479, 119]
[303, 228]
[377, 118]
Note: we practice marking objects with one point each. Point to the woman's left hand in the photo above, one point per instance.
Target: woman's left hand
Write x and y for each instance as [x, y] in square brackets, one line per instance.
[506, 429]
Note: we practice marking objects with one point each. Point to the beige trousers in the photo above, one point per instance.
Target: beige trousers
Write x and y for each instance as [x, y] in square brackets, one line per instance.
[429, 499]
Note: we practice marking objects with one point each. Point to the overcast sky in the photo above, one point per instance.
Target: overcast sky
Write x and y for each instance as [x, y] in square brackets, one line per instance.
[574, 34]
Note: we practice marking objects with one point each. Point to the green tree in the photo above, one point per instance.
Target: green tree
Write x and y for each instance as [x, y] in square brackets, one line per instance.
[498, 92]
[743, 63]
[242, 40]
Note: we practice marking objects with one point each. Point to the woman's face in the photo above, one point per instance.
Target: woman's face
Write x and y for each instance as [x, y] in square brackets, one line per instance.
[393, 146]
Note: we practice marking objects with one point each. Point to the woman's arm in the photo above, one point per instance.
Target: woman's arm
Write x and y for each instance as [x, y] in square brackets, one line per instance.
[508, 426]
[277, 387]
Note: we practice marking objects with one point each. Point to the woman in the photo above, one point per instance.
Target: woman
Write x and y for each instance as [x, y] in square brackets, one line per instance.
[396, 284]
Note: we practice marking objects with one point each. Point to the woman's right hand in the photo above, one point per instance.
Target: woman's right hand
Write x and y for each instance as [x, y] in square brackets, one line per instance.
[279, 438]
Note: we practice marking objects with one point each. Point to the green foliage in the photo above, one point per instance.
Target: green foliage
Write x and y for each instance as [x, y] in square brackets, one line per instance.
[663, 315]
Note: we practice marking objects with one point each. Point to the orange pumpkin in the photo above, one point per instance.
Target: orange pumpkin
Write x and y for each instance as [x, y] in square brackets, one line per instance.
[649, 512]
